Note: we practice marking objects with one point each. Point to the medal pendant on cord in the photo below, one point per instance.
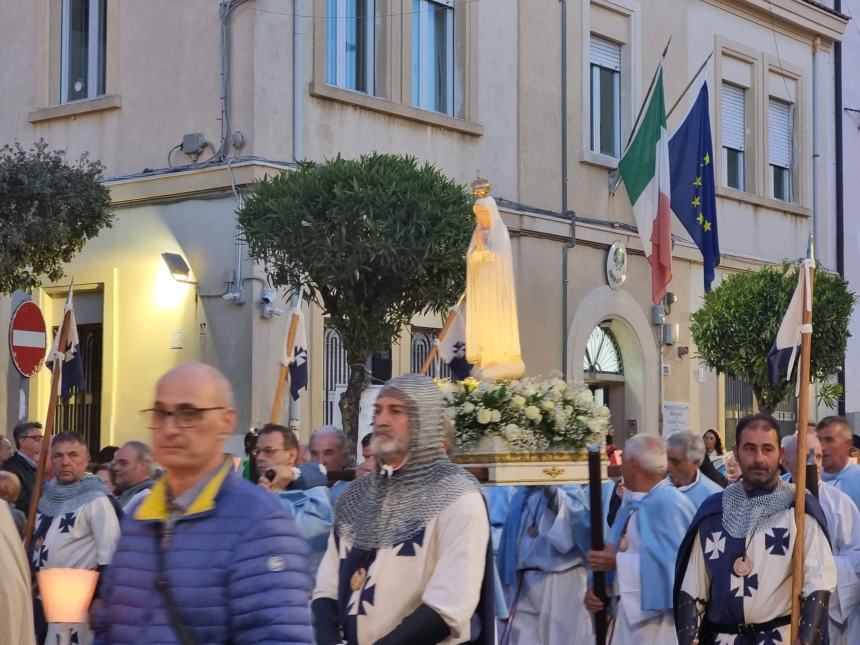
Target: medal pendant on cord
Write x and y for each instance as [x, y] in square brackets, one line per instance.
[743, 566]
[356, 582]
[533, 531]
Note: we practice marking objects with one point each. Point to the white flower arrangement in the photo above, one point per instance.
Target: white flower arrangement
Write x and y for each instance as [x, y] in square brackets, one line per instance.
[529, 414]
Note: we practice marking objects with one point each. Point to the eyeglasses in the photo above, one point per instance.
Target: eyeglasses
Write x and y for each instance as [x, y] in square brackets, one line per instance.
[266, 451]
[37, 437]
[184, 418]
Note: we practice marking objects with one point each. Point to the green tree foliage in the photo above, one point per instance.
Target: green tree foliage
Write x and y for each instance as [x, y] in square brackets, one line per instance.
[49, 208]
[735, 328]
[373, 241]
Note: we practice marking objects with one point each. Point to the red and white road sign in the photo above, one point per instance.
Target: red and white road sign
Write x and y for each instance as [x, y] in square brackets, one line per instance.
[27, 338]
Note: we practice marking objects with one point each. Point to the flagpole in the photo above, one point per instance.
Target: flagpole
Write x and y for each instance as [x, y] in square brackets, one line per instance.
[808, 267]
[284, 371]
[442, 333]
[690, 84]
[47, 431]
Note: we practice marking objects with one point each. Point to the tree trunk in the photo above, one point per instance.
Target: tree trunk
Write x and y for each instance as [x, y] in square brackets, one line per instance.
[350, 400]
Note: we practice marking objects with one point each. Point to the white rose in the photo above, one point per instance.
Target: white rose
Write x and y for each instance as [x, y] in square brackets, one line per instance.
[584, 397]
[548, 405]
[512, 432]
[450, 413]
[532, 412]
[484, 416]
[603, 412]
[597, 425]
[518, 401]
[496, 416]
[560, 386]
[468, 408]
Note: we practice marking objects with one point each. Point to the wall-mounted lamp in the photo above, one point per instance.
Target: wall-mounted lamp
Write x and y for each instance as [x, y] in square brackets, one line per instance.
[178, 267]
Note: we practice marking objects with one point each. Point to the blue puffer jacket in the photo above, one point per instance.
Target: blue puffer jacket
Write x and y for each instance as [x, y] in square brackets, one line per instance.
[237, 567]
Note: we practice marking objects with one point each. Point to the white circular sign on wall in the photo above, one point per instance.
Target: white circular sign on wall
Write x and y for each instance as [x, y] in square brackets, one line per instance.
[616, 265]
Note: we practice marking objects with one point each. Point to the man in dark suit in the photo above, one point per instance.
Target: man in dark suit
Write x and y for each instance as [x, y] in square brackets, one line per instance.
[28, 446]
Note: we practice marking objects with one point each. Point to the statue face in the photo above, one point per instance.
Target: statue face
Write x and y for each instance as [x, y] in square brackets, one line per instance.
[482, 214]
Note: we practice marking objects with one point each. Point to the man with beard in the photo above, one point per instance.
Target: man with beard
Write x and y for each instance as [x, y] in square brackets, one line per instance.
[77, 525]
[406, 560]
[735, 564]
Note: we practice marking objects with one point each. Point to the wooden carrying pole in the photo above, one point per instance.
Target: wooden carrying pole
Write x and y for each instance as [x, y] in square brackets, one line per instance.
[595, 492]
[800, 458]
[284, 372]
[47, 431]
[452, 314]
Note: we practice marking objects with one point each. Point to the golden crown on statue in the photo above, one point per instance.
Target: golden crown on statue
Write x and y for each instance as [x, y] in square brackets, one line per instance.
[480, 187]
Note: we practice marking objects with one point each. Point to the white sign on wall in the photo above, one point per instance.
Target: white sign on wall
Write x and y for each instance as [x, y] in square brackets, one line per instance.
[365, 414]
[676, 417]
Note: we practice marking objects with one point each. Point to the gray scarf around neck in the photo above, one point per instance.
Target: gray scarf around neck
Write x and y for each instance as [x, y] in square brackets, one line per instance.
[59, 499]
[379, 510]
[744, 514]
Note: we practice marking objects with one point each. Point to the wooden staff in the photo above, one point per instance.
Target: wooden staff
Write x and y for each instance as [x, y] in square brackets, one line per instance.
[284, 372]
[800, 458]
[47, 431]
[452, 313]
[595, 492]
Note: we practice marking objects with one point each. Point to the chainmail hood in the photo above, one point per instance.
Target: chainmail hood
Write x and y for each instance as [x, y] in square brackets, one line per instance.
[743, 515]
[380, 510]
[64, 498]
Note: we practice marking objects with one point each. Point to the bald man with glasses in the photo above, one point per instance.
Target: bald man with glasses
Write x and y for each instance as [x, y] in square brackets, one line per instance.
[207, 557]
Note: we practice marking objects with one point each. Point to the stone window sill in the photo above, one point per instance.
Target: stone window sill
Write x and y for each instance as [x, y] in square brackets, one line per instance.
[789, 208]
[377, 104]
[76, 108]
[598, 159]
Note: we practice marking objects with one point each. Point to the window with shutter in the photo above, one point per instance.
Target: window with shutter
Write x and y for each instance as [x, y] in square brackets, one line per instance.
[351, 44]
[734, 129]
[605, 97]
[779, 128]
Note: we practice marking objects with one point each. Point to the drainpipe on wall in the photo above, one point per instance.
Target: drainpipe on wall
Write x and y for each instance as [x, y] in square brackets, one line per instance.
[564, 210]
[818, 112]
[840, 195]
[298, 116]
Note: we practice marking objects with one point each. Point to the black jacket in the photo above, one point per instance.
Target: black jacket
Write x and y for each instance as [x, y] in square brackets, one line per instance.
[27, 474]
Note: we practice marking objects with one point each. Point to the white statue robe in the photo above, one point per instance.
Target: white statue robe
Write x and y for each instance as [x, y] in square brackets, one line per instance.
[16, 599]
[634, 625]
[492, 328]
[549, 608]
[843, 524]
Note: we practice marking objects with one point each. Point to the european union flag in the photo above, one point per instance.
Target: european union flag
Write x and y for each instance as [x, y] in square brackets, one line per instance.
[691, 167]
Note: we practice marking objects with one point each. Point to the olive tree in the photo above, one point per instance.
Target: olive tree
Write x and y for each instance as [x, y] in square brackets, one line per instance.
[372, 241]
[49, 208]
[735, 329]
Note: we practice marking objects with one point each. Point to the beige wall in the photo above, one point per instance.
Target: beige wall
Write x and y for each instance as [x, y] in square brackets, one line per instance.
[163, 81]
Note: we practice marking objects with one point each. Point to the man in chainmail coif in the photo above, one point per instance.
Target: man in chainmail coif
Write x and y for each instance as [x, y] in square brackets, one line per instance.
[406, 560]
[735, 564]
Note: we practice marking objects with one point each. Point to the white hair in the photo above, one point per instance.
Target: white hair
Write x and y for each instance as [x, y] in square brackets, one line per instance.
[789, 445]
[332, 431]
[648, 451]
[692, 444]
[842, 430]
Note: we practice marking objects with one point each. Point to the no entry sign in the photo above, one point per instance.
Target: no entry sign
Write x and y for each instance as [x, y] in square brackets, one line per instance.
[27, 336]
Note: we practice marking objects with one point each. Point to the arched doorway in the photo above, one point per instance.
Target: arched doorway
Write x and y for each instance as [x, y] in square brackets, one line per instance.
[603, 366]
[611, 346]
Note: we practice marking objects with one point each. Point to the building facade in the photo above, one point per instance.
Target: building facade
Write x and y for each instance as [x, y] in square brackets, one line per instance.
[471, 86]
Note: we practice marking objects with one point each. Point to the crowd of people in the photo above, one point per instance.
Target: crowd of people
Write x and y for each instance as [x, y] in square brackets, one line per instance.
[298, 544]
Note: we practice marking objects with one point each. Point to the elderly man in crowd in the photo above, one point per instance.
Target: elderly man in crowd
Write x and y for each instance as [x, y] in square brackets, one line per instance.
[735, 565]
[132, 472]
[843, 525]
[685, 452]
[407, 559]
[277, 452]
[206, 557]
[642, 545]
[5, 450]
[330, 446]
[76, 525]
[28, 446]
[10, 489]
[837, 439]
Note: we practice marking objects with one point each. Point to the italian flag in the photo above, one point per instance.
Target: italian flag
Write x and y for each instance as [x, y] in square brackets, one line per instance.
[645, 171]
